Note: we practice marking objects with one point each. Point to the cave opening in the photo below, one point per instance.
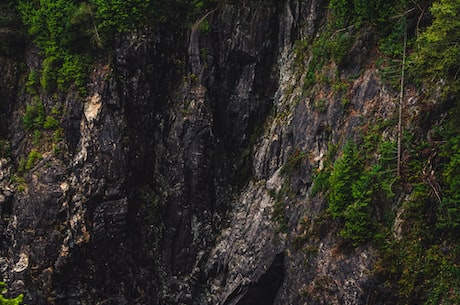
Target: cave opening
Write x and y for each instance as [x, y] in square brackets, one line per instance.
[266, 289]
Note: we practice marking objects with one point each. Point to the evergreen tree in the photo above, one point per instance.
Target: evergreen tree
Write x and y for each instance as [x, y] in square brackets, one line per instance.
[437, 56]
[346, 171]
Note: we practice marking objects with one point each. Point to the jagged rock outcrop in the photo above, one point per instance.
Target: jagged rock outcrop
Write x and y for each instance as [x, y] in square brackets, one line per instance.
[165, 184]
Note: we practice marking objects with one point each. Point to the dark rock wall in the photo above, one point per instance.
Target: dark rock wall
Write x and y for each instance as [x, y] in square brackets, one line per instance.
[162, 192]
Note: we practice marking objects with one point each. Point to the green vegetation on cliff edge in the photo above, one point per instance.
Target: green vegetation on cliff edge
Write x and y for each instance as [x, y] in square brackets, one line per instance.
[70, 33]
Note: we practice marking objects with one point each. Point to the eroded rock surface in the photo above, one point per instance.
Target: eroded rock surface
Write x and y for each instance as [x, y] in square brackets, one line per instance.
[166, 184]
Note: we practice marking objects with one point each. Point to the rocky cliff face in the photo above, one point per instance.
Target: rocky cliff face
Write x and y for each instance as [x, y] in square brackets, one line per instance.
[166, 183]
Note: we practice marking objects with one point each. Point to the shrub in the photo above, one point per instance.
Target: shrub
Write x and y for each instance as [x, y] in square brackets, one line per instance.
[7, 301]
[32, 159]
[50, 123]
[73, 70]
[58, 136]
[320, 182]
[32, 81]
[34, 116]
[36, 136]
[49, 76]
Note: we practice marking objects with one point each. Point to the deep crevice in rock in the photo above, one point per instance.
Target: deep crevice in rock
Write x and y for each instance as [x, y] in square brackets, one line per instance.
[265, 290]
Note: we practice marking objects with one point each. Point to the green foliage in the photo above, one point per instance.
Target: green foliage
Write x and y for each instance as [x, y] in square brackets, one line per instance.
[387, 168]
[320, 182]
[437, 55]
[357, 215]
[392, 40]
[50, 24]
[32, 81]
[36, 137]
[340, 87]
[358, 191]
[443, 278]
[49, 74]
[422, 264]
[58, 136]
[199, 4]
[420, 274]
[321, 177]
[34, 116]
[449, 209]
[44, 131]
[32, 159]
[199, 8]
[50, 123]
[116, 16]
[67, 31]
[205, 27]
[346, 171]
[341, 10]
[332, 45]
[390, 71]
[329, 46]
[389, 19]
[73, 70]
[9, 301]
[347, 12]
